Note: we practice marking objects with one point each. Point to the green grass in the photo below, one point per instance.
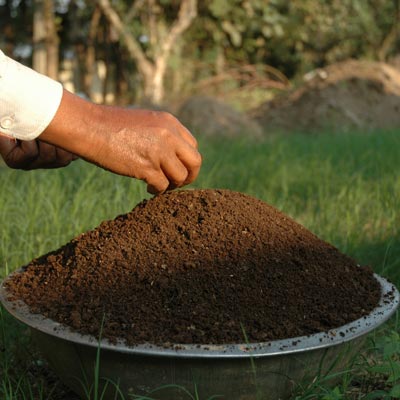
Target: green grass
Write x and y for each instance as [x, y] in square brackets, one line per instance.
[344, 188]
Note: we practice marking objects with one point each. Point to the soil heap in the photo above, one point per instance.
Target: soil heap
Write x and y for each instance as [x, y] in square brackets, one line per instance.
[198, 266]
[209, 117]
[346, 96]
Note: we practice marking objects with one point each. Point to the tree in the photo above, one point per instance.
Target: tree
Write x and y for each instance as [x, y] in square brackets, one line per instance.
[45, 39]
[157, 47]
[160, 39]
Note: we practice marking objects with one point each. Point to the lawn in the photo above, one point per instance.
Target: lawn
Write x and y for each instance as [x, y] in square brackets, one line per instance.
[344, 188]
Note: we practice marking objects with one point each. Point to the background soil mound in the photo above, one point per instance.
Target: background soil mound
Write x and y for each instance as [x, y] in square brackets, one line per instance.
[352, 95]
[207, 116]
[198, 266]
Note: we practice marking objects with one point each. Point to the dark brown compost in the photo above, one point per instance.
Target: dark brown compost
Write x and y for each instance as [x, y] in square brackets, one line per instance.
[201, 267]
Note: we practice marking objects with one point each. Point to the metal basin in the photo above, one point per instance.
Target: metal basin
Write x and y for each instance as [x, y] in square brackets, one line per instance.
[267, 371]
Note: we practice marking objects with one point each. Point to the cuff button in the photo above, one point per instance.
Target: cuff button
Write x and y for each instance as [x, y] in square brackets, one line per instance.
[6, 122]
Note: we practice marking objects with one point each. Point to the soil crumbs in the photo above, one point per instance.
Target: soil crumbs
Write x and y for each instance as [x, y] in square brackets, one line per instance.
[198, 267]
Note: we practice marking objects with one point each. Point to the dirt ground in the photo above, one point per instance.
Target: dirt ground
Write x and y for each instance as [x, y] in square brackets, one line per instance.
[347, 96]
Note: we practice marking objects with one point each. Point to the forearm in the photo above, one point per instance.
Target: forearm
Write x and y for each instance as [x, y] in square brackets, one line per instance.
[75, 126]
[148, 145]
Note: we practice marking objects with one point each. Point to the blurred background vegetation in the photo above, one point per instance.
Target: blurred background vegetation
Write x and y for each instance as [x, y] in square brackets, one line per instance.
[159, 51]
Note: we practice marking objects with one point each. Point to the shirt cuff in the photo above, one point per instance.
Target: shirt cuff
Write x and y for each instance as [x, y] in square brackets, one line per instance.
[28, 100]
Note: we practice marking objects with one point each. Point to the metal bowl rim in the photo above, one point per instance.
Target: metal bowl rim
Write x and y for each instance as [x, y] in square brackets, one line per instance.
[385, 309]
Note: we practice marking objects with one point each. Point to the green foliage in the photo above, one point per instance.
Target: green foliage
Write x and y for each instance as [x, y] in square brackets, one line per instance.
[388, 366]
[335, 394]
[293, 36]
[318, 32]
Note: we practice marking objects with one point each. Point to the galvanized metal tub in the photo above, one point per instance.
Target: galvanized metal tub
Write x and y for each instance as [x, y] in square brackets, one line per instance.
[267, 371]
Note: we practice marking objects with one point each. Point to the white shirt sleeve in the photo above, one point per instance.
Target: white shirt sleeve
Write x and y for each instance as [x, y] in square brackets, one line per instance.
[28, 100]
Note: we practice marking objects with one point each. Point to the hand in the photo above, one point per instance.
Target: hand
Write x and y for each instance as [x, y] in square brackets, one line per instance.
[148, 145]
[33, 154]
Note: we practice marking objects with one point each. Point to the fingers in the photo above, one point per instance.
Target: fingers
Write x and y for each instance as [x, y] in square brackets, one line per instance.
[157, 183]
[28, 155]
[179, 166]
[171, 175]
[46, 156]
[51, 157]
[18, 154]
[175, 171]
[184, 167]
[191, 159]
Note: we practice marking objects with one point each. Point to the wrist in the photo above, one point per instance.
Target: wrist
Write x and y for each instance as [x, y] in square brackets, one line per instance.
[75, 126]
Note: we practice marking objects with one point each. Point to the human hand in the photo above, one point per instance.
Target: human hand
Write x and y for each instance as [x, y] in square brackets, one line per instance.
[33, 154]
[152, 146]
[148, 145]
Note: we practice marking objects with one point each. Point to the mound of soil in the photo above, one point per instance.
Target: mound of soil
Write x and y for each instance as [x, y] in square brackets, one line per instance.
[198, 266]
[351, 95]
[209, 117]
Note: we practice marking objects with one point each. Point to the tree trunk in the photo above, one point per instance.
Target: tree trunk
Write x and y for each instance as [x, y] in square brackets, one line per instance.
[91, 51]
[39, 60]
[45, 39]
[154, 85]
[52, 41]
